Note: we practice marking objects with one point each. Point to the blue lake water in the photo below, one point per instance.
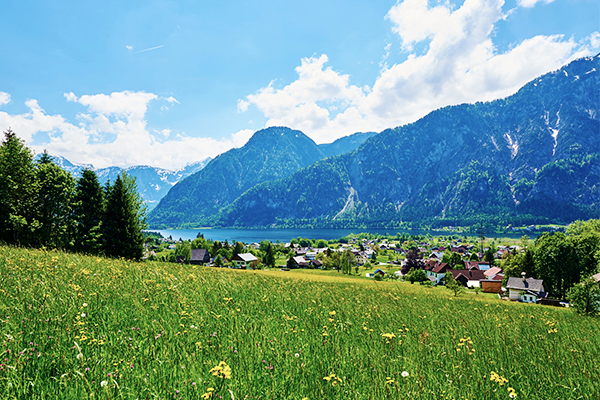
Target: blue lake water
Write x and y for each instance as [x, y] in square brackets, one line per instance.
[285, 235]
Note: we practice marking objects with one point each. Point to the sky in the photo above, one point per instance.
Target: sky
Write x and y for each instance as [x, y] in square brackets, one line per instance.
[166, 83]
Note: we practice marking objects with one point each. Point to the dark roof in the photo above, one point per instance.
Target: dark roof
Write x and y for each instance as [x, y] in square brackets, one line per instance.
[199, 255]
[529, 284]
[471, 275]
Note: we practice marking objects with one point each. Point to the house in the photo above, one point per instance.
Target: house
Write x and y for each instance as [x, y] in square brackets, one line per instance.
[243, 260]
[527, 290]
[437, 272]
[468, 277]
[311, 255]
[596, 277]
[300, 262]
[437, 255]
[379, 271]
[199, 256]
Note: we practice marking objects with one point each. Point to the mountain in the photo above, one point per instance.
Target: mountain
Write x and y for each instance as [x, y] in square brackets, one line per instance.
[270, 154]
[534, 156]
[153, 183]
[345, 144]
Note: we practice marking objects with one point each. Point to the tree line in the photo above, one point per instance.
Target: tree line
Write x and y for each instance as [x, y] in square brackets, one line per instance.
[42, 205]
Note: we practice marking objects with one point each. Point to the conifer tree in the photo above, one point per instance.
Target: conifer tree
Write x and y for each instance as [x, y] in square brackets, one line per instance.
[124, 220]
[89, 207]
[17, 191]
[55, 194]
[270, 256]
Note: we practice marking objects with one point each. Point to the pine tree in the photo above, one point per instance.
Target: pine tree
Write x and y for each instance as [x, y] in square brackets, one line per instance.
[270, 256]
[89, 208]
[124, 220]
[17, 191]
[56, 190]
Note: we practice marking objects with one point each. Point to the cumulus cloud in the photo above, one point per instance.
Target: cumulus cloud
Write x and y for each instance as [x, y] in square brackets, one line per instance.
[112, 131]
[4, 98]
[460, 64]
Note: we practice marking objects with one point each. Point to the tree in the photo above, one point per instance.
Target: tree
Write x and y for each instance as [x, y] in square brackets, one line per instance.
[488, 256]
[290, 262]
[238, 248]
[124, 220]
[218, 262]
[584, 297]
[18, 191]
[414, 260]
[56, 191]
[270, 256]
[452, 284]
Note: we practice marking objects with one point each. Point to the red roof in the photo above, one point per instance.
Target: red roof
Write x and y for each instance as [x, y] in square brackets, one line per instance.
[441, 267]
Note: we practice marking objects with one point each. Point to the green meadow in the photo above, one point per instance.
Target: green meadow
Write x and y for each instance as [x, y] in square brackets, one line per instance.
[78, 327]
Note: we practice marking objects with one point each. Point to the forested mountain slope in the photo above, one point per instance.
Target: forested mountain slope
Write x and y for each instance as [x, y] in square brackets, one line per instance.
[532, 156]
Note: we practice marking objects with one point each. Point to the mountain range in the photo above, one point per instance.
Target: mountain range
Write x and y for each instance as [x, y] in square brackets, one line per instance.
[153, 183]
[532, 157]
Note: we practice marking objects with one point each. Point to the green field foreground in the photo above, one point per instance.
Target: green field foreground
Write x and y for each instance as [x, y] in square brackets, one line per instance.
[77, 327]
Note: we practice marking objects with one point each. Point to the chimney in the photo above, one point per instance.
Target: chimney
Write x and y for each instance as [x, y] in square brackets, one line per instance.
[523, 276]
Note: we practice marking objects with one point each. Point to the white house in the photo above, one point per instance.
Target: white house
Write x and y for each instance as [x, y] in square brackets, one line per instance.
[243, 260]
[527, 290]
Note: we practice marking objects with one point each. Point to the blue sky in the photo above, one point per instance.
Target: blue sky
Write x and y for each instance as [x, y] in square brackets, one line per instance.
[165, 83]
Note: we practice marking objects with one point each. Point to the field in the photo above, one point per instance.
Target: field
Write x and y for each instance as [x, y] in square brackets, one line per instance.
[76, 327]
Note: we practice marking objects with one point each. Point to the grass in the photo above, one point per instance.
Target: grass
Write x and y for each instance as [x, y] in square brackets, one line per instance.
[77, 327]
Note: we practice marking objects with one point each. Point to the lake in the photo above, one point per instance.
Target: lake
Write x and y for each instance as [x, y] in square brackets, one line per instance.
[285, 235]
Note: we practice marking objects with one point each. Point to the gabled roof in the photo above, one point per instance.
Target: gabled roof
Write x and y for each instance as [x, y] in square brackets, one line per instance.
[471, 265]
[529, 284]
[492, 271]
[596, 277]
[440, 268]
[299, 259]
[198, 255]
[470, 274]
[246, 257]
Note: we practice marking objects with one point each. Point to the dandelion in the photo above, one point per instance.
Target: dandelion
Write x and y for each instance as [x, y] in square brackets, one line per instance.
[297, 355]
[404, 374]
[389, 381]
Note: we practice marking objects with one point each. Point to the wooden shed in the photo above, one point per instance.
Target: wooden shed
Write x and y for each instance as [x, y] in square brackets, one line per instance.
[488, 286]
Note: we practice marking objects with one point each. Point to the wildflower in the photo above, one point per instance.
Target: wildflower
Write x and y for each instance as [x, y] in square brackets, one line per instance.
[511, 393]
[103, 383]
[85, 304]
[389, 381]
[297, 355]
[82, 315]
[404, 374]
[388, 336]
[332, 314]
[222, 370]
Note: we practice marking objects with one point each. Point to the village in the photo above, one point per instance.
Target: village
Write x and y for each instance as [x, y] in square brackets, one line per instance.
[427, 262]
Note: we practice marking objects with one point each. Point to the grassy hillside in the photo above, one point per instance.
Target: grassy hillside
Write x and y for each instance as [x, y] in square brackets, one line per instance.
[76, 327]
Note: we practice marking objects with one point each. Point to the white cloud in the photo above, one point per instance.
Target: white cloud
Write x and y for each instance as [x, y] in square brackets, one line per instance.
[112, 131]
[460, 64]
[532, 3]
[4, 98]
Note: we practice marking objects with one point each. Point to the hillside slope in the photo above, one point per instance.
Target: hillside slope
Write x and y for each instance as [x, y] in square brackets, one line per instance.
[532, 156]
